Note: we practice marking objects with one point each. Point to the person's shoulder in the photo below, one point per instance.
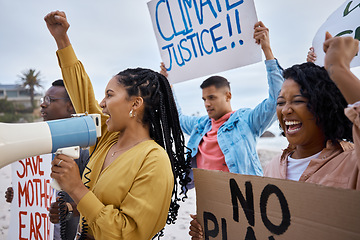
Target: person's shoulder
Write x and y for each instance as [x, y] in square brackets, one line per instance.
[153, 154]
[200, 120]
[151, 147]
[239, 113]
[204, 119]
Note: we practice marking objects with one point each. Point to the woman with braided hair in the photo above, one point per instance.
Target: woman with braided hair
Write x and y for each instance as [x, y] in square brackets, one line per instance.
[130, 189]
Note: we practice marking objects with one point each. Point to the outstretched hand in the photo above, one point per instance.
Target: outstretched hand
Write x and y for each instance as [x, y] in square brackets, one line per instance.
[58, 25]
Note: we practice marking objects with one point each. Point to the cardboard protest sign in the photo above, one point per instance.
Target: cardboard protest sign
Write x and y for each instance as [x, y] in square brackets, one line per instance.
[198, 38]
[345, 21]
[32, 198]
[233, 206]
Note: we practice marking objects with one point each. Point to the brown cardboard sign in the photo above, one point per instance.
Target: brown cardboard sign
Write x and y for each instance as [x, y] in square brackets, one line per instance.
[233, 206]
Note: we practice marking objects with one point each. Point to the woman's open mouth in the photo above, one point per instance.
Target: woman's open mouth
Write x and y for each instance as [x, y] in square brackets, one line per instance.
[107, 120]
[293, 126]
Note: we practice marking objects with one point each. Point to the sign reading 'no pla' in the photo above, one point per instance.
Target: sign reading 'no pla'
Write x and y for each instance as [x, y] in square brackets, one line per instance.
[198, 38]
[233, 206]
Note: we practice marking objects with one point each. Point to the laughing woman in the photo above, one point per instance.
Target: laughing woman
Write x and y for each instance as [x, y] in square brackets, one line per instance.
[310, 109]
[130, 190]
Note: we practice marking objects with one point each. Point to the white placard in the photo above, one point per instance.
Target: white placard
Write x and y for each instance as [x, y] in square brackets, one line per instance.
[345, 21]
[32, 198]
[198, 38]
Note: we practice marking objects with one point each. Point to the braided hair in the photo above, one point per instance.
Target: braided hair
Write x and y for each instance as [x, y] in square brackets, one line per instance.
[325, 100]
[161, 115]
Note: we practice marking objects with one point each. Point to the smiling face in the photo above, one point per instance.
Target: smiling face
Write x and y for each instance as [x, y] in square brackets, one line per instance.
[296, 120]
[217, 101]
[117, 105]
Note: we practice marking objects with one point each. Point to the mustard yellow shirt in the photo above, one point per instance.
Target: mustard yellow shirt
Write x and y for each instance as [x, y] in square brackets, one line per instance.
[130, 198]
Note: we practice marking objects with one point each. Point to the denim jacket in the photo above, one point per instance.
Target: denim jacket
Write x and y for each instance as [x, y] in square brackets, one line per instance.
[237, 137]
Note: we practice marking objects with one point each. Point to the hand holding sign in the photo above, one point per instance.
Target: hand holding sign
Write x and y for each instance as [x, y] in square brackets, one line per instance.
[343, 22]
[311, 57]
[163, 70]
[196, 231]
[9, 194]
[339, 50]
[261, 36]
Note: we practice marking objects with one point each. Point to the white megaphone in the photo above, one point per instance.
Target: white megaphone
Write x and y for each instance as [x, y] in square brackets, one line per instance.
[23, 140]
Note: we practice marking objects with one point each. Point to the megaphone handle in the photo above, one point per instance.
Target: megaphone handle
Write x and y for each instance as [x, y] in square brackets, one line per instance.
[55, 185]
[73, 152]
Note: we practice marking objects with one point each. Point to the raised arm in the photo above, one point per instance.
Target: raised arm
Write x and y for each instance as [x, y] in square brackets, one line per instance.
[339, 53]
[261, 36]
[81, 92]
[263, 115]
[76, 80]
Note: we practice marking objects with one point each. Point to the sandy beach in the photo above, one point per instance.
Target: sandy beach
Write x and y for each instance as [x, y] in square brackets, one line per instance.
[268, 148]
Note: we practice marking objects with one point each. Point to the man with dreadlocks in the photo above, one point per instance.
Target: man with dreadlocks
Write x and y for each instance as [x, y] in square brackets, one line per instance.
[129, 189]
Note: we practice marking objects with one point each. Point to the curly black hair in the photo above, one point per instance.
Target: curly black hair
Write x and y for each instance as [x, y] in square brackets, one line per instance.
[325, 100]
[161, 116]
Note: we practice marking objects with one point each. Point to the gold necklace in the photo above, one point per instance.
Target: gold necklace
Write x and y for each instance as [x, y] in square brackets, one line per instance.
[128, 147]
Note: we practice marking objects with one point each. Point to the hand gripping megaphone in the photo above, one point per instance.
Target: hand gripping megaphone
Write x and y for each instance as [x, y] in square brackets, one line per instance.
[23, 140]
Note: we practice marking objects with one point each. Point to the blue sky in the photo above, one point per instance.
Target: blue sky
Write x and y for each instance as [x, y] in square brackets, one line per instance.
[109, 36]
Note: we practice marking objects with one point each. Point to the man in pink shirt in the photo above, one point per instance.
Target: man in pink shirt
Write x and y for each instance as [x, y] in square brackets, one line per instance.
[226, 139]
[216, 96]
